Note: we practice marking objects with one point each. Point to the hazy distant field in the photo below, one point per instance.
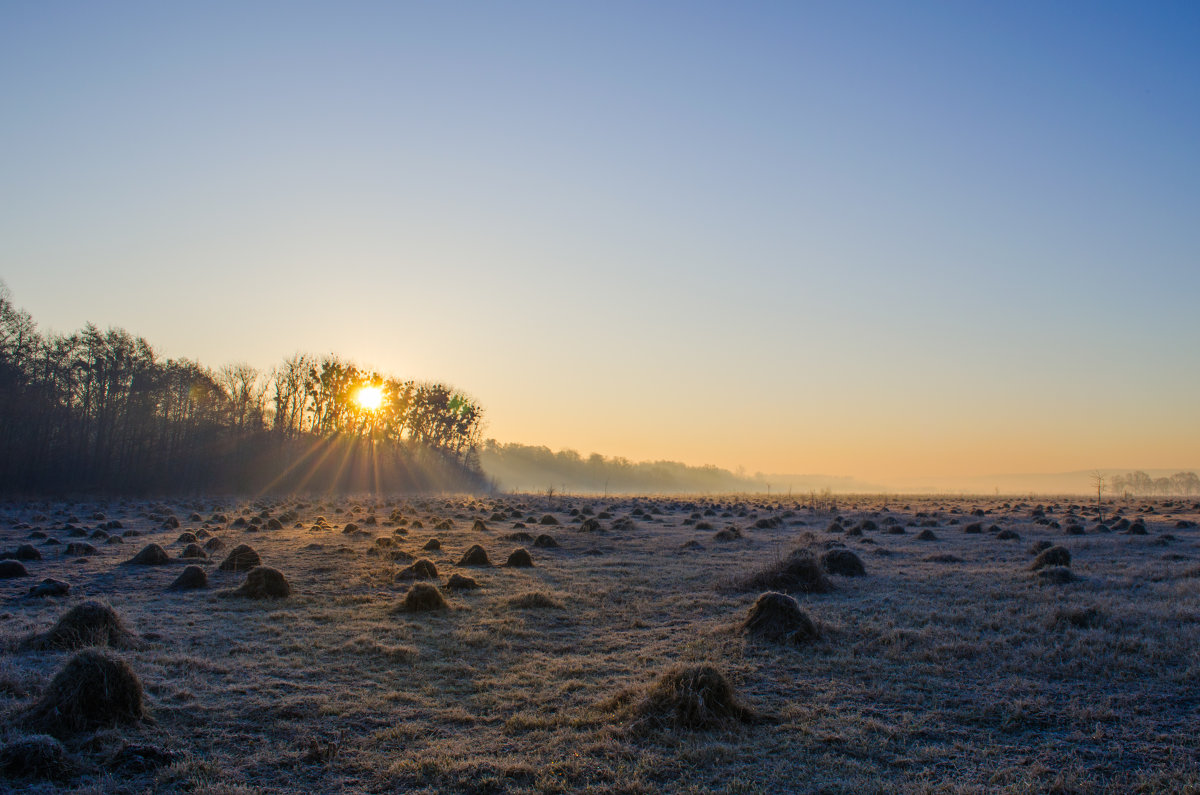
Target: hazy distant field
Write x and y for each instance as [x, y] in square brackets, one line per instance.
[949, 666]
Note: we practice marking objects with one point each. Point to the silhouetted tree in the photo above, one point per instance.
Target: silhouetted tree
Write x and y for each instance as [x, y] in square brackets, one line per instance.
[98, 410]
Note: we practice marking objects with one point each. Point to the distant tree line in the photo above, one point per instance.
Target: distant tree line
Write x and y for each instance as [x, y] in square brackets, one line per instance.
[101, 411]
[1181, 484]
[536, 468]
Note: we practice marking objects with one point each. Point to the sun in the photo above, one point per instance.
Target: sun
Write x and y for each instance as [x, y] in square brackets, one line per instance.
[369, 397]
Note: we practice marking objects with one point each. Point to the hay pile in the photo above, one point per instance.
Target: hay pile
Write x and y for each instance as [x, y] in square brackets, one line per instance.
[461, 582]
[263, 582]
[241, 558]
[49, 587]
[1051, 556]
[432, 545]
[777, 617]
[419, 570]
[37, 756]
[843, 562]
[92, 690]
[10, 569]
[545, 541]
[89, 623]
[798, 573]
[191, 579]
[23, 552]
[150, 555]
[193, 551]
[1055, 575]
[519, 559]
[697, 697]
[475, 556]
[423, 598]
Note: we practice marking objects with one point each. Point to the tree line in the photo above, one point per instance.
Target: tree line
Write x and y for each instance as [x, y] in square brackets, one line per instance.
[536, 468]
[101, 411]
[1181, 484]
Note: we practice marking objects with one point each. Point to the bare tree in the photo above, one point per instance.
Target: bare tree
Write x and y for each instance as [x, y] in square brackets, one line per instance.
[1098, 481]
[246, 394]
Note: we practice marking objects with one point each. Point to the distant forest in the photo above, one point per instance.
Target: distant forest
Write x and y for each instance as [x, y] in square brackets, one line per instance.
[99, 411]
[1138, 483]
[522, 467]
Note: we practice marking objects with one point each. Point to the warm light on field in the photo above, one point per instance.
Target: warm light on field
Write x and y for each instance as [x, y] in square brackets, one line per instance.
[369, 397]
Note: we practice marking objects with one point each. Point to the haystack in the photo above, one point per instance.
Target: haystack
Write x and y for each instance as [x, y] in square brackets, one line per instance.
[461, 582]
[191, 579]
[843, 562]
[423, 597]
[23, 552]
[92, 690]
[690, 698]
[89, 623]
[475, 556]
[262, 582]
[1051, 556]
[37, 756]
[241, 558]
[193, 551]
[419, 570]
[49, 587]
[777, 617]
[519, 559]
[544, 540]
[10, 569]
[150, 555]
[798, 573]
[1056, 575]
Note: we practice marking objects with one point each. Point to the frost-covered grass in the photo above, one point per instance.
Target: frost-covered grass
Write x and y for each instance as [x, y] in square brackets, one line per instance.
[949, 667]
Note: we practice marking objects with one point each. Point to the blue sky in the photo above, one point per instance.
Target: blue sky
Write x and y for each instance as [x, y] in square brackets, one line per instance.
[877, 239]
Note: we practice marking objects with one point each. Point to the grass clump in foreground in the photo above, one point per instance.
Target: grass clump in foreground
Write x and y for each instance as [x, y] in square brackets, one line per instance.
[94, 689]
[423, 598]
[777, 617]
[799, 572]
[90, 623]
[37, 756]
[262, 582]
[684, 698]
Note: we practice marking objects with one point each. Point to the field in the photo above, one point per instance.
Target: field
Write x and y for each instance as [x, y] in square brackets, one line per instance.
[950, 666]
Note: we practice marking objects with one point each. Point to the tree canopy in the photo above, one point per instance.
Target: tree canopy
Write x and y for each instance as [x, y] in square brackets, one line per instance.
[100, 410]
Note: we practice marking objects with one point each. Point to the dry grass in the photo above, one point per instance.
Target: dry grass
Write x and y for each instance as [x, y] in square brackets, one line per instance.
[93, 689]
[960, 674]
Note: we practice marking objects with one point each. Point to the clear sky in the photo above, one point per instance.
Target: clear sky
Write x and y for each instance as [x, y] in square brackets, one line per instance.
[876, 239]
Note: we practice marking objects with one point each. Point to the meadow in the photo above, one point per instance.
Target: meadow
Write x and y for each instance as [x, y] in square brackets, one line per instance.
[626, 658]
